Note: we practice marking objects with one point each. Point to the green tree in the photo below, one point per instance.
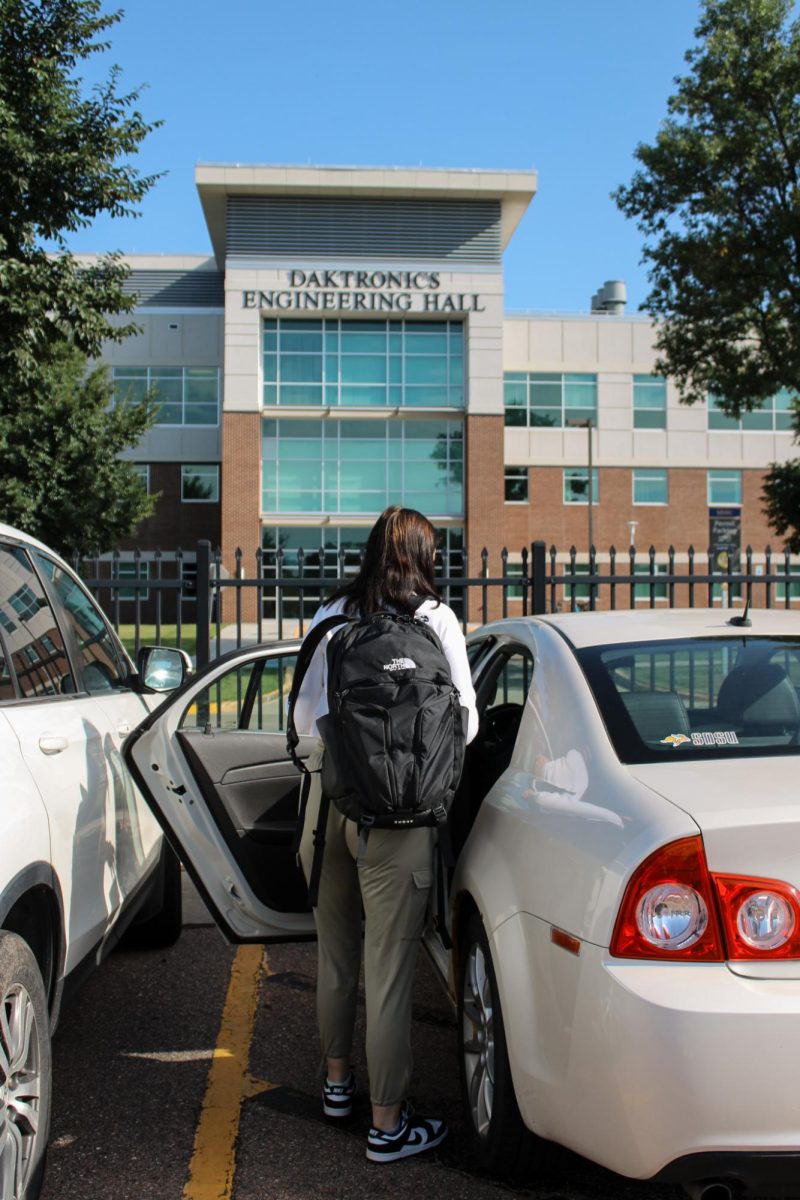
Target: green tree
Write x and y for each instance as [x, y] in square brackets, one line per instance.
[64, 159]
[60, 477]
[717, 197]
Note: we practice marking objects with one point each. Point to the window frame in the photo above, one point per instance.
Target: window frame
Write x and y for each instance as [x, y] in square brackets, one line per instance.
[719, 472]
[121, 374]
[595, 486]
[649, 383]
[186, 467]
[661, 471]
[522, 476]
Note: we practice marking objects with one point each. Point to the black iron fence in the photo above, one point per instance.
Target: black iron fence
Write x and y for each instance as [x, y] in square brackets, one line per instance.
[191, 600]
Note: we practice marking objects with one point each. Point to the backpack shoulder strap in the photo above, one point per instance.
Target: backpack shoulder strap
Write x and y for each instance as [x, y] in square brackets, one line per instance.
[312, 639]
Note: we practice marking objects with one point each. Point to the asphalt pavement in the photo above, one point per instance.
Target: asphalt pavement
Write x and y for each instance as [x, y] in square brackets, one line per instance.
[134, 1060]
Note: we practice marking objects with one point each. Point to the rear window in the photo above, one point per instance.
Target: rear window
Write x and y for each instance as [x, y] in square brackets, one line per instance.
[698, 698]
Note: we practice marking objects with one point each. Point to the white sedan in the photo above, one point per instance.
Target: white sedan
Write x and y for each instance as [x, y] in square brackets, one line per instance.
[624, 909]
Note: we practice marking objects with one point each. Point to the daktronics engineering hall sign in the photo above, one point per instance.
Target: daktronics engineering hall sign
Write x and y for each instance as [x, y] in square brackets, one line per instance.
[362, 291]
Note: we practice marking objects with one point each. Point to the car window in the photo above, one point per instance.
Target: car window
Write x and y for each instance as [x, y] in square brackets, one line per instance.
[7, 689]
[103, 668]
[250, 696]
[507, 679]
[698, 697]
[31, 637]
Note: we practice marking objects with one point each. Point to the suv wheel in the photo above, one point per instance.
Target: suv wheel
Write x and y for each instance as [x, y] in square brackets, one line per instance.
[25, 1071]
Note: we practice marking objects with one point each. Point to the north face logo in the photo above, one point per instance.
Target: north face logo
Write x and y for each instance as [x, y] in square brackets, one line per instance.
[400, 664]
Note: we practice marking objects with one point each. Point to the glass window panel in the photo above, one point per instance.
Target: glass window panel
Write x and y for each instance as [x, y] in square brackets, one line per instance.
[364, 475]
[578, 395]
[649, 419]
[129, 391]
[396, 343]
[300, 393]
[270, 394]
[200, 483]
[332, 394]
[361, 395]
[169, 414]
[760, 419]
[516, 416]
[576, 490]
[650, 487]
[539, 416]
[546, 395]
[724, 487]
[270, 342]
[301, 368]
[426, 397]
[516, 484]
[270, 368]
[363, 343]
[425, 343]
[426, 370]
[363, 368]
[102, 663]
[34, 645]
[201, 414]
[396, 369]
[298, 341]
[331, 341]
[456, 371]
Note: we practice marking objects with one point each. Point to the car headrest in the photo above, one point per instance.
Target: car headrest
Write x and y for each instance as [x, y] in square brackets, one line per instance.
[656, 714]
[760, 695]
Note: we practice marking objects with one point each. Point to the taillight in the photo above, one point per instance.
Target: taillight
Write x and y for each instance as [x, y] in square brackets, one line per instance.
[674, 908]
[668, 910]
[761, 917]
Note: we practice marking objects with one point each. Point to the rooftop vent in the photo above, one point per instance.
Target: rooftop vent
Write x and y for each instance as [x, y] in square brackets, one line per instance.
[611, 298]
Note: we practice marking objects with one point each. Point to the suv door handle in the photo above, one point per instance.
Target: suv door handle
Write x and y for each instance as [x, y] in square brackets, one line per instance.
[124, 729]
[51, 743]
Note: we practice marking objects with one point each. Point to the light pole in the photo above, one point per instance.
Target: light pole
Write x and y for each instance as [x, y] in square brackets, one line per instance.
[587, 425]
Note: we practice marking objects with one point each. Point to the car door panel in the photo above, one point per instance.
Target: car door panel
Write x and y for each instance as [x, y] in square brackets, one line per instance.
[227, 797]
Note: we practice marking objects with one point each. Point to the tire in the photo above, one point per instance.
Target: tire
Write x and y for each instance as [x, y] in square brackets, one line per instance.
[163, 928]
[25, 1071]
[500, 1141]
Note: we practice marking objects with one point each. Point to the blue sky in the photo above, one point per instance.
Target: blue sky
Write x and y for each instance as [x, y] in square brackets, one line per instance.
[568, 87]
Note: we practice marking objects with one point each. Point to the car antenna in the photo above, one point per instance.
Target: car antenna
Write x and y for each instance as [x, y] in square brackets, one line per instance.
[743, 619]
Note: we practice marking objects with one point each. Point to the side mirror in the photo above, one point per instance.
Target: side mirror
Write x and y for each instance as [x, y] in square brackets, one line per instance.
[163, 668]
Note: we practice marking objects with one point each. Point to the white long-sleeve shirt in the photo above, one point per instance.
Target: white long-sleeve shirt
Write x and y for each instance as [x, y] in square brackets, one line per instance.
[312, 703]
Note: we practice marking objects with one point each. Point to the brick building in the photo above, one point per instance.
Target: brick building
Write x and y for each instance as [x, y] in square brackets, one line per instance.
[346, 346]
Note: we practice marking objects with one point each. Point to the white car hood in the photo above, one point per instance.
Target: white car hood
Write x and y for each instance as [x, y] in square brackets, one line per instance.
[748, 811]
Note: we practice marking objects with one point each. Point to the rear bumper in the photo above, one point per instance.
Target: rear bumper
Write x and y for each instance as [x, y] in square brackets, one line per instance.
[654, 1069]
[745, 1174]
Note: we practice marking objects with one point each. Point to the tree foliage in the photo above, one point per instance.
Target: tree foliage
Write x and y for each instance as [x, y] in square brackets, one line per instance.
[717, 197]
[64, 159]
[60, 477]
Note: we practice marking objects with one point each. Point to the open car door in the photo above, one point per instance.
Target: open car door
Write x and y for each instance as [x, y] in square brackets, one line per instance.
[211, 762]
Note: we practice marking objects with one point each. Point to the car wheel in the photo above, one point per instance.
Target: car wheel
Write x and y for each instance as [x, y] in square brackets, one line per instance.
[163, 928]
[499, 1138]
[25, 1071]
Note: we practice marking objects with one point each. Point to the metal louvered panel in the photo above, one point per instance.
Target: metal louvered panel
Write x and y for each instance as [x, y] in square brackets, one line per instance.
[467, 231]
[177, 289]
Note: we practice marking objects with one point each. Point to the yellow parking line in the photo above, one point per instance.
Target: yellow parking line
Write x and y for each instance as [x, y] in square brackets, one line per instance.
[213, 1164]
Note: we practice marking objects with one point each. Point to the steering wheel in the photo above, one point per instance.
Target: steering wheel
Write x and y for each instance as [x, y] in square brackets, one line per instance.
[499, 725]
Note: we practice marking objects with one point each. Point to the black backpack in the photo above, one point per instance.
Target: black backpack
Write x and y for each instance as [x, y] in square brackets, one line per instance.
[394, 734]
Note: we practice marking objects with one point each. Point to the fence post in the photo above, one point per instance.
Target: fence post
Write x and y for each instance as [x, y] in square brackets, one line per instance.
[538, 578]
[203, 606]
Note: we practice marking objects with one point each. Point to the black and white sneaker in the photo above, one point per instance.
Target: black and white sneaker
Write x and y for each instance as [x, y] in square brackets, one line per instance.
[413, 1135]
[337, 1098]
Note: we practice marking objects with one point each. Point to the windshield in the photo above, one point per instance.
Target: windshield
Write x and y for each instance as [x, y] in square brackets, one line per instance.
[698, 697]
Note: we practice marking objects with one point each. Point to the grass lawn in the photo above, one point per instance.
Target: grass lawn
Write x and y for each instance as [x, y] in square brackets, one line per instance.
[168, 637]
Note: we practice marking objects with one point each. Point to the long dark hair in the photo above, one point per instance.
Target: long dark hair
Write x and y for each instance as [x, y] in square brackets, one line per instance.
[398, 565]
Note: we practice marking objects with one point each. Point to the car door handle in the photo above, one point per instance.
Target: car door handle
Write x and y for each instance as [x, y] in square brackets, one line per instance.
[52, 743]
[124, 729]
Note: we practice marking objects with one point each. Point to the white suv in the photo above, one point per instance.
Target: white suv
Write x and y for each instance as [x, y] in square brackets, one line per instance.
[81, 855]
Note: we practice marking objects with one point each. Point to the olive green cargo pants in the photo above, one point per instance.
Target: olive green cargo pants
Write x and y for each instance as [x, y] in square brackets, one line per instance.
[393, 881]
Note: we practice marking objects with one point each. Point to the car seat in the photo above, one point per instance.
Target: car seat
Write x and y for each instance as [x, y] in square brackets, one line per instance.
[656, 714]
[759, 701]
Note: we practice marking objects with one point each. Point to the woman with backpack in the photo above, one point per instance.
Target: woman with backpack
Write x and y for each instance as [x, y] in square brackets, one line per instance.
[388, 870]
